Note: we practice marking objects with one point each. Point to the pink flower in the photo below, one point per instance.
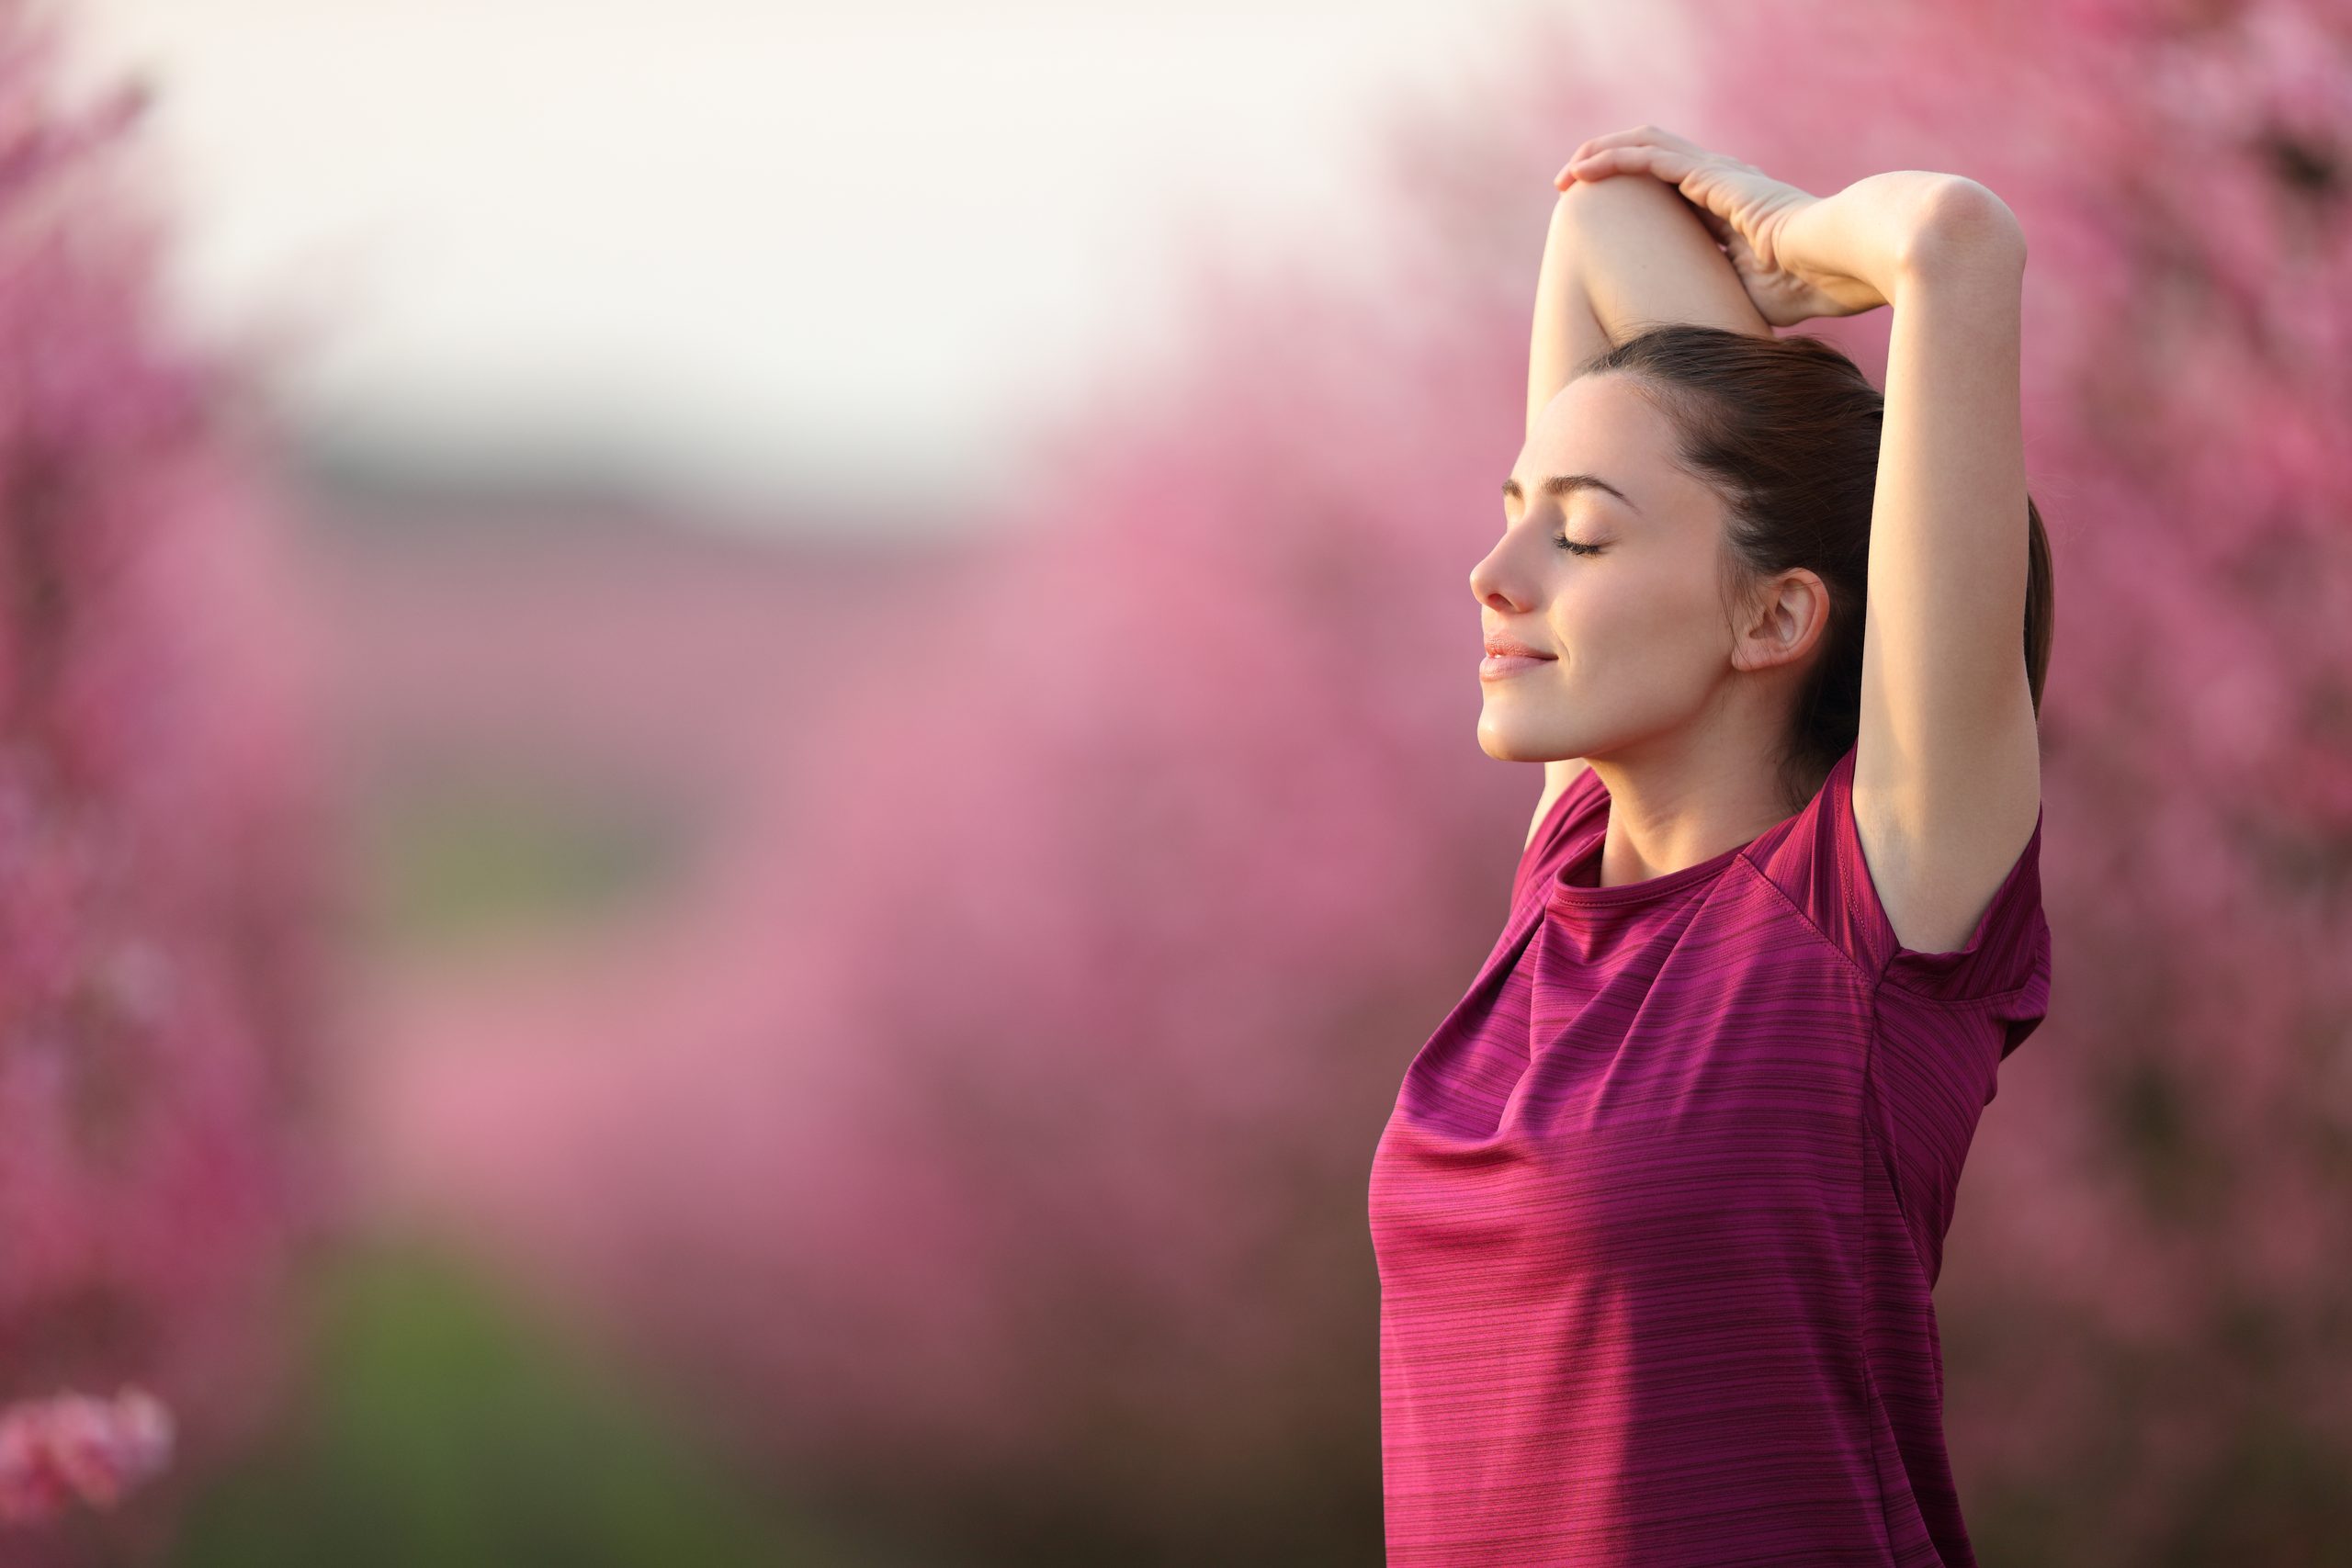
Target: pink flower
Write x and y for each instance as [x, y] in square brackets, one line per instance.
[73, 1444]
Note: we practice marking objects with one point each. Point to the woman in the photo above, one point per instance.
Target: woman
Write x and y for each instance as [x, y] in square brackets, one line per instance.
[1661, 1200]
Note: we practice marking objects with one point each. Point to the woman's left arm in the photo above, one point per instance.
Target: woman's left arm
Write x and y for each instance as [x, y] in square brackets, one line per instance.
[1947, 765]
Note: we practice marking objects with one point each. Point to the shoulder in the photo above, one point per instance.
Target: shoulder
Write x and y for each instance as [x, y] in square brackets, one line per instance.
[1818, 861]
[1943, 820]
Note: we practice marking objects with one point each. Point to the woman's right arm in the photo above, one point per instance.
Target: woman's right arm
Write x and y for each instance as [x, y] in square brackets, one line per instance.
[1622, 254]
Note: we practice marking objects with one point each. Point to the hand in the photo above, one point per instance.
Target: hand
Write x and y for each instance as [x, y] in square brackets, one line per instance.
[1758, 221]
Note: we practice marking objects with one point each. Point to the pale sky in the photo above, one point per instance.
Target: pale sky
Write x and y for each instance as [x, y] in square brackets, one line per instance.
[768, 255]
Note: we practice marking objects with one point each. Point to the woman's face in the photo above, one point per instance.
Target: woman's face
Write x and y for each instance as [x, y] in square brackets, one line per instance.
[1635, 627]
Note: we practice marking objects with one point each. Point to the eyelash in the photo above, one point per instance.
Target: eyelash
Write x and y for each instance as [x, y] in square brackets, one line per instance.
[1573, 547]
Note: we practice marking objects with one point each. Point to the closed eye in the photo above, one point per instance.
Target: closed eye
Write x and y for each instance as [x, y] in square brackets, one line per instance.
[1573, 547]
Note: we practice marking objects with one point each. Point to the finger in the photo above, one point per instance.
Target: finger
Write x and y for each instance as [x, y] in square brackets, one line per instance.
[1634, 159]
[1641, 135]
[1593, 144]
[1585, 161]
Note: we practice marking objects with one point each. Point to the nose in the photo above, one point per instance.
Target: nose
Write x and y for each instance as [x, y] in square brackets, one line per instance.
[1491, 583]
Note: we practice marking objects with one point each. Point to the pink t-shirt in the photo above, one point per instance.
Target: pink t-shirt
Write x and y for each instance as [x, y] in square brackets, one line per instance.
[1661, 1202]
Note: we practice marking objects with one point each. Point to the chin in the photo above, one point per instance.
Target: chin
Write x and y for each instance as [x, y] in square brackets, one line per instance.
[1504, 748]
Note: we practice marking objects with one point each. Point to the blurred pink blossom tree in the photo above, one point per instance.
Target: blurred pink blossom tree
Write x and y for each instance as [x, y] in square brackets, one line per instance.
[157, 955]
[995, 1134]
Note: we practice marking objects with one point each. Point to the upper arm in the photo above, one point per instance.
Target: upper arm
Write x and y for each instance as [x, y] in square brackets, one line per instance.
[1557, 777]
[1947, 765]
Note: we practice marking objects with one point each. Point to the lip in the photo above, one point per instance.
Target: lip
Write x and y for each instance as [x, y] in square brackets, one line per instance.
[1501, 666]
[1503, 642]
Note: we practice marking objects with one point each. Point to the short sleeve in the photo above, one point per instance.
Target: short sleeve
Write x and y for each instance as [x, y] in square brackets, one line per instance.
[1819, 863]
[1541, 860]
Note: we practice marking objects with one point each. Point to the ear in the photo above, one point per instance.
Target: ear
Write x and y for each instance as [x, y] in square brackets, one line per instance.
[1788, 615]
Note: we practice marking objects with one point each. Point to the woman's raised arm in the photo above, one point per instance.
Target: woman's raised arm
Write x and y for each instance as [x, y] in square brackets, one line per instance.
[1949, 757]
[1622, 254]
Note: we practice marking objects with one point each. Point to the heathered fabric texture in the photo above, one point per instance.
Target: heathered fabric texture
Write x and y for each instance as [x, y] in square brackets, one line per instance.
[1659, 1206]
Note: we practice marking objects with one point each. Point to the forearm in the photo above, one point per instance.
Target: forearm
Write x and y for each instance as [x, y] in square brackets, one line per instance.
[1622, 254]
[1887, 230]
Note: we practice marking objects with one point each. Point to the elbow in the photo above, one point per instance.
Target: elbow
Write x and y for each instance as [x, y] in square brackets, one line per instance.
[1621, 202]
[1960, 224]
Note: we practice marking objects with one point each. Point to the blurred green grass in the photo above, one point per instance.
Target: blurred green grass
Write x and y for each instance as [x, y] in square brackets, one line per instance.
[441, 1426]
[475, 863]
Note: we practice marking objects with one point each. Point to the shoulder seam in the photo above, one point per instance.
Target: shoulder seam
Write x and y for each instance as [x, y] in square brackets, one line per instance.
[1882, 981]
[1868, 979]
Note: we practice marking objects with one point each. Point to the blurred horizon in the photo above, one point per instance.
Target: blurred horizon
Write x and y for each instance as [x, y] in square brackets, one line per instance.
[864, 255]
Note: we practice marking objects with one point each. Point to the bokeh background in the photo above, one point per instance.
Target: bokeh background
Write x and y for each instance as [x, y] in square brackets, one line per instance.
[738, 750]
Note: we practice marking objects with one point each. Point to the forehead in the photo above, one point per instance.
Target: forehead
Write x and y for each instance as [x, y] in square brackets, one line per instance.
[1603, 425]
[1600, 419]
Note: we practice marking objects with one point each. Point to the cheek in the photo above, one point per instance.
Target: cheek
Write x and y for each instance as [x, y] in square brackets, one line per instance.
[1639, 616]
[1628, 610]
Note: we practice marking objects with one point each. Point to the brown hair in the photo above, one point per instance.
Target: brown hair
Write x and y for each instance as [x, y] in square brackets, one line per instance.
[1787, 430]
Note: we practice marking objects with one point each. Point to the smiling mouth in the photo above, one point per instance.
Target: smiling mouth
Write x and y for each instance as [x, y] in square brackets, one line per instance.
[1496, 665]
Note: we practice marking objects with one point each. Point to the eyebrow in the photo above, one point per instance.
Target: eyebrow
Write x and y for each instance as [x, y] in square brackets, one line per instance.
[1566, 484]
